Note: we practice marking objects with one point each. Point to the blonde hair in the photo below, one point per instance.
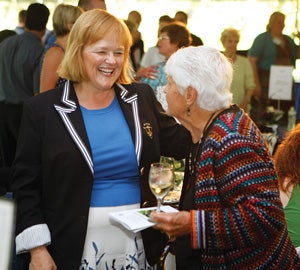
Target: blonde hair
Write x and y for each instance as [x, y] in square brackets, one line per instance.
[63, 16]
[90, 27]
[229, 32]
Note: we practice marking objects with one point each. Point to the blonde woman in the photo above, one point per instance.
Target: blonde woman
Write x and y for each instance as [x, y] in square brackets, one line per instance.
[85, 151]
[243, 84]
[63, 19]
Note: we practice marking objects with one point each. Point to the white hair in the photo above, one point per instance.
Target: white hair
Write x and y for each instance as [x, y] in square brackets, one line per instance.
[205, 69]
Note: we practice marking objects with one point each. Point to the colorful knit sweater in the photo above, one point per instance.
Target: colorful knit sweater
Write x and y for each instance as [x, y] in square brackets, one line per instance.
[239, 221]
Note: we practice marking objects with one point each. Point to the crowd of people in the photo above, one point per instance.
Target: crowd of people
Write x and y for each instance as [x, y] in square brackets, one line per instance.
[85, 110]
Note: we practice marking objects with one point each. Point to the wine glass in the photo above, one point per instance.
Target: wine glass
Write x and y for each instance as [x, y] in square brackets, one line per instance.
[161, 179]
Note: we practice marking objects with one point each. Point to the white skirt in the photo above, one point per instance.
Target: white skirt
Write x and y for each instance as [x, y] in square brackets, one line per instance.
[109, 246]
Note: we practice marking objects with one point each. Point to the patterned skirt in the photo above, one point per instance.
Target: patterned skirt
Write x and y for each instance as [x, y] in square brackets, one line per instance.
[109, 246]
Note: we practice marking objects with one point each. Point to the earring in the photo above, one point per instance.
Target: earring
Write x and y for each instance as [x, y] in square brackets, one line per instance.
[188, 110]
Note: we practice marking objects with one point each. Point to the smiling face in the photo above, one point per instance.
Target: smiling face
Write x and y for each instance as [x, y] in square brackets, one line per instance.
[103, 61]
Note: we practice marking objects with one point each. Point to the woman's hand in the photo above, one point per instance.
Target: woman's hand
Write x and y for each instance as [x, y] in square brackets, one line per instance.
[148, 72]
[41, 259]
[172, 224]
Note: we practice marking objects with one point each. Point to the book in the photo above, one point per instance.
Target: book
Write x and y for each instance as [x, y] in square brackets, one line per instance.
[136, 220]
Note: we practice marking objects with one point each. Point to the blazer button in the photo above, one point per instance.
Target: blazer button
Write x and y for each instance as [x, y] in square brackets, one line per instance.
[146, 204]
[142, 171]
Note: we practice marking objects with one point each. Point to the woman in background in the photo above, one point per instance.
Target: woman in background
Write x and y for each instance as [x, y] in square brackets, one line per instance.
[172, 37]
[243, 79]
[271, 47]
[64, 17]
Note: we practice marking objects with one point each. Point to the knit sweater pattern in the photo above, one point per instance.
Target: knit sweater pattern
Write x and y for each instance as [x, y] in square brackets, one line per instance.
[239, 220]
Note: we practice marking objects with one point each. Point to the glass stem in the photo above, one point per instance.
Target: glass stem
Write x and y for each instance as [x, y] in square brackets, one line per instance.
[158, 205]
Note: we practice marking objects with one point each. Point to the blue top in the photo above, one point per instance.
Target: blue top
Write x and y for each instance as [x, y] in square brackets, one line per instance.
[116, 176]
[160, 80]
[19, 67]
[50, 40]
[264, 49]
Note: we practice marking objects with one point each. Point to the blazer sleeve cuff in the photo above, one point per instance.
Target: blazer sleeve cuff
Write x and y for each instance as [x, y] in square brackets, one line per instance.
[32, 237]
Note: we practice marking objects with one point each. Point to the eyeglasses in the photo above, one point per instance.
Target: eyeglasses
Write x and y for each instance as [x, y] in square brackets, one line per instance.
[163, 38]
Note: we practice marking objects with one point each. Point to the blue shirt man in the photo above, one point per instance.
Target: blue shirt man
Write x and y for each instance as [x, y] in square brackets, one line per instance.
[19, 72]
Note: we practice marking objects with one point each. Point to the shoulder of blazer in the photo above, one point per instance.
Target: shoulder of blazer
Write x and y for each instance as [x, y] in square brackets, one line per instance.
[44, 101]
[136, 88]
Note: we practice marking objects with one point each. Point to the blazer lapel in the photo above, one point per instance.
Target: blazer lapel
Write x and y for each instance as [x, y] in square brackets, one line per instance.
[70, 114]
[129, 105]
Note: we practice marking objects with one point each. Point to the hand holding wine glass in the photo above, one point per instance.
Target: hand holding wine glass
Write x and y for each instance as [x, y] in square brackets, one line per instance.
[161, 180]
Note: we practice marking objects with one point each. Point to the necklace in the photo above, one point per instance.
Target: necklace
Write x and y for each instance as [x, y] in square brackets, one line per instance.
[194, 152]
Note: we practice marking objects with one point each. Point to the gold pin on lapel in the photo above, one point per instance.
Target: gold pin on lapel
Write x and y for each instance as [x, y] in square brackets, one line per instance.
[148, 128]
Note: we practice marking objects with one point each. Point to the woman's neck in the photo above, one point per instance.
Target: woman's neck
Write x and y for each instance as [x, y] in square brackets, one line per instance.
[91, 98]
[198, 122]
[62, 41]
[277, 34]
[230, 55]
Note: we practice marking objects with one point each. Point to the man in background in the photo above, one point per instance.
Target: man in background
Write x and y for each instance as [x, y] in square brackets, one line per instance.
[20, 28]
[20, 79]
[183, 17]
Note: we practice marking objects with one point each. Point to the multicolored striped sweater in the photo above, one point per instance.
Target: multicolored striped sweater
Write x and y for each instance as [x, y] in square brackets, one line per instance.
[239, 220]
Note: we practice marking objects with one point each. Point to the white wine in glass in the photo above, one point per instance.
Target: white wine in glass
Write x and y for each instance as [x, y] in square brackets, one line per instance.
[161, 180]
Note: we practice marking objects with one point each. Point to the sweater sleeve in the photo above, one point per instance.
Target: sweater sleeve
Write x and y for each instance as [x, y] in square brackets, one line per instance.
[237, 198]
[198, 229]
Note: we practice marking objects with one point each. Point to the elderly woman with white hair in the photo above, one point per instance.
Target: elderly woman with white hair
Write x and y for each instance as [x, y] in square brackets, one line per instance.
[230, 213]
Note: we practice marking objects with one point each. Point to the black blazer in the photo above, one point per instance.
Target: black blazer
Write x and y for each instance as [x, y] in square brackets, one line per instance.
[53, 169]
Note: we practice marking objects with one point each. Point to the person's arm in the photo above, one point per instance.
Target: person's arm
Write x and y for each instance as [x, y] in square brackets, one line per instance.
[31, 228]
[247, 185]
[174, 139]
[247, 98]
[249, 85]
[49, 76]
[147, 72]
[173, 224]
[257, 90]
[253, 205]
[32, 237]
[41, 259]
